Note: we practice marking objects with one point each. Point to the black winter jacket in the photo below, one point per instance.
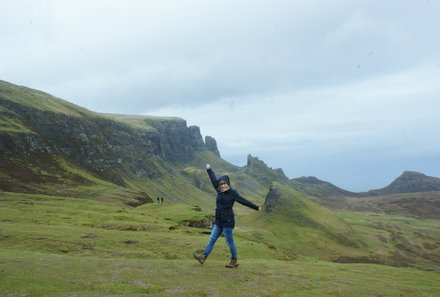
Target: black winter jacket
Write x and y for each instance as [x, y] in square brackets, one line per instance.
[224, 215]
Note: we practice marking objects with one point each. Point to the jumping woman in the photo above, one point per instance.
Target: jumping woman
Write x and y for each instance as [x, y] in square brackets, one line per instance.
[224, 216]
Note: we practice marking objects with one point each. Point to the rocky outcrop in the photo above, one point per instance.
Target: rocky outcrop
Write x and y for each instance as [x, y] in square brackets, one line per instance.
[177, 141]
[272, 200]
[195, 138]
[211, 144]
[258, 169]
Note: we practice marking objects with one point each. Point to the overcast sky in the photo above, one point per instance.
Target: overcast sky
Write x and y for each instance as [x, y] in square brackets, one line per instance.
[347, 91]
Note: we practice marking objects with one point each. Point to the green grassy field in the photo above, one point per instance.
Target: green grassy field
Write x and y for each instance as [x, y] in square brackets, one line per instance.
[60, 246]
[41, 274]
[398, 240]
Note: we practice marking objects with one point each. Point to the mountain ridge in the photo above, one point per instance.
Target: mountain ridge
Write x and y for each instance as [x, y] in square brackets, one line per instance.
[35, 123]
[99, 142]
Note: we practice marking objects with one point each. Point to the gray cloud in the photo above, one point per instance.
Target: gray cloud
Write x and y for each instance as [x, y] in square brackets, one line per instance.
[296, 83]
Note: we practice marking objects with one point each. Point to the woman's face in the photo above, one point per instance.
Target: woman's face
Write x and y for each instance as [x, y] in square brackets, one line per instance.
[223, 186]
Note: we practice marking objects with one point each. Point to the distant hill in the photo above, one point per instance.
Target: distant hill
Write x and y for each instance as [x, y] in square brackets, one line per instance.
[421, 205]
[318, 188]
[407, 182]
[410, 182]
[411, 194]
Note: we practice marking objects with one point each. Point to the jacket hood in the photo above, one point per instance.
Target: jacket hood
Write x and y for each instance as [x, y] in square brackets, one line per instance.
[224, 178]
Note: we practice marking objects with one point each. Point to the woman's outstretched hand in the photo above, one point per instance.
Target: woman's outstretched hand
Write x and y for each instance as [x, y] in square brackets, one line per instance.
[208, 166]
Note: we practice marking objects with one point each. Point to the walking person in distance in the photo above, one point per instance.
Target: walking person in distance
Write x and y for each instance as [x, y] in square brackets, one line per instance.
[224, 216]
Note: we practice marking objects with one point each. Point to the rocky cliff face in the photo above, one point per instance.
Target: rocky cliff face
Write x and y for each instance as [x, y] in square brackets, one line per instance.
[272, 200]
[97, 142]
[259, 170]
[211, 144]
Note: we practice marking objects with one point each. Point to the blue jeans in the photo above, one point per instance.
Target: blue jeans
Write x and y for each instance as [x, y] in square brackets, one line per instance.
[229, 236]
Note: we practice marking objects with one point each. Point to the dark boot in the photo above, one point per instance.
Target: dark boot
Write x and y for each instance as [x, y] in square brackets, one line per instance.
[232, 264]
[201, 258]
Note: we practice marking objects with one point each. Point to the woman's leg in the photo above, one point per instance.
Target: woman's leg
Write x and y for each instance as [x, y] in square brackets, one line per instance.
[229, 236]
[215, 234]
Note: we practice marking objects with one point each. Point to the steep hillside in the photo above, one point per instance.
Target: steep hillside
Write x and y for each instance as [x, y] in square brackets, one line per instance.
[101, 143]
[49, 145]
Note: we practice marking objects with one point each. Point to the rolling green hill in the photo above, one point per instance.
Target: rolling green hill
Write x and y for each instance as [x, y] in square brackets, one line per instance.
[292, 222]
